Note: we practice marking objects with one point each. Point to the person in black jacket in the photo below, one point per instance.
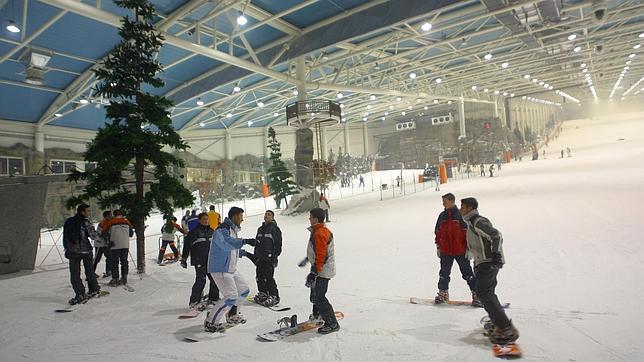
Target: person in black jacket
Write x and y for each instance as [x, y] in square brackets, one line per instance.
[268, 246]
[76, 233]
[197, 246]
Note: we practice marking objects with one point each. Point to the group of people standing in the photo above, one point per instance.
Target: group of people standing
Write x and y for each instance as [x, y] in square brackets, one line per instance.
[461, 234]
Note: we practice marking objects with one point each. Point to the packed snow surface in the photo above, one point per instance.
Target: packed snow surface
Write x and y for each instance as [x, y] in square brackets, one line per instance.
[573, 242]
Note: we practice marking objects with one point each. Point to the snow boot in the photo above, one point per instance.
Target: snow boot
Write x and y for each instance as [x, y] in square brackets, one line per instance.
[441, 297]
[237, 318]
[123, 280]
[78, 299]
[113, 282]
[271, 301]
[476, 302]
[260, 297]
[505, 335]
[105, 275]
[313, 317]
[326, 329]
[93, 294]
[213, 327]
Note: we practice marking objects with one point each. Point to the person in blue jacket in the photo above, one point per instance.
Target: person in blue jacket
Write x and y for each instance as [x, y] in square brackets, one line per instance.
[225, 250]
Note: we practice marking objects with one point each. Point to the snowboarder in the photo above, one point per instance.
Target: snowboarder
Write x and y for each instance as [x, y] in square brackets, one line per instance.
[482, 167]
[562, 153]
[213, 218]
[320, 254]
[361, 184]
[324, 205]
[569, 151]
[267, 248]
[498, 164]
[101, 244]
[76, 233]
[120, 231]
[544, 154]
[491, 170]
[196, 245]
[438, 182]
[168, 237]
[225, 250]
[450, 231]
[484, 244]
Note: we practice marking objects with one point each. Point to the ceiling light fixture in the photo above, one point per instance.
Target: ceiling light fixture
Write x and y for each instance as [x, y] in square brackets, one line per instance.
[84, 100]
[58, 115]
[485, 90]
[527, 76]
[236, 89]
[439, 80]
[576, 49]
[412, 75]
[435, 101]
[572, 37]
[339, 95]
[504, 65]
[487, 56]
[241, 20]
[372, 97]
[199, 102]
[12, 27]
[398, 99]
[260, 104]
[637, 46]
[250, 123]
[276, 114]
[426, 27]
[295, 92]
[496, 92]
[583, 65]
[201, 124]
[229, 115]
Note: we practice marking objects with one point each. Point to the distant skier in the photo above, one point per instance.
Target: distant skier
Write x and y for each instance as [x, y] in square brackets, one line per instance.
[120, 231]
[491, 170]
[196, 245]
[168, 231]
[324, 205]
[498, 164]
[225, 250]
[193, 220]
[482, 167]
[101, 244]
[451, 244]
[320, 254]
[438, 183]
[562, 153]
[268, 246]
[484, 244]
[361, 184]
[569, 151]
[214, 219]
[76, 234]
[544, 154]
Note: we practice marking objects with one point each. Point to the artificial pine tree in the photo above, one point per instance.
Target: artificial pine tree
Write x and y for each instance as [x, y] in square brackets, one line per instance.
[132, 143]
[280, 180]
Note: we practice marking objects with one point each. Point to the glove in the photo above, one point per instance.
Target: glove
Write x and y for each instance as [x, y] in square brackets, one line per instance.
[184, 263]
[250, 242]
[302, 264]
[310, 280]
[497, 260]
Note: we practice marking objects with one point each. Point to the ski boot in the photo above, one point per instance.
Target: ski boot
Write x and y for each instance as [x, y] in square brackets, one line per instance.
[326, 329]
[236, 318]
[123, 280]
[199, 305]
[260, 298]
[213, 327]
[271, 301]
[441, 297]
[476, 302]
[93, 294]
[113, 283]
[505, 335]
[105, 275]
[78, 299]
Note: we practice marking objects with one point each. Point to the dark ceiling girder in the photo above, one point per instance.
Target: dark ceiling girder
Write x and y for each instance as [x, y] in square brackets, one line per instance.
[359, 24]
[510, 21]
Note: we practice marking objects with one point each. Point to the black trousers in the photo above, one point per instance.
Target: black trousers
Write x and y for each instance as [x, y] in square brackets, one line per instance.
[265, 277]
[326, 215]
[119, 256]
[485, 284]
[104, 250]
[75, 269]
[201, 272]
[321, 305]
[164, 245]
[446, 269]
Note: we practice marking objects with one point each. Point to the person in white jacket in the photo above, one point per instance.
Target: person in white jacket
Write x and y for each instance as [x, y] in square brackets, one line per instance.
[120, 231]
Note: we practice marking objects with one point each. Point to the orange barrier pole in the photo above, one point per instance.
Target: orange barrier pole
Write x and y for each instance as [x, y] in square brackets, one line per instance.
[442, 173]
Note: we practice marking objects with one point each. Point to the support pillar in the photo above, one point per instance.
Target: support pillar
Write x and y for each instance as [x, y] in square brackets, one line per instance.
[461, 117]
[346, 139]
[265, 143]
[365, 139]
[39, 141]
[228, 146]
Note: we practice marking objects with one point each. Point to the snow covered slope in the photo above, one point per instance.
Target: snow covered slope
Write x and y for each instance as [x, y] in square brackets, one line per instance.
[574, 250]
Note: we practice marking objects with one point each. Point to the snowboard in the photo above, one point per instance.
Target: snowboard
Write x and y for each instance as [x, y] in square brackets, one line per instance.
[415, 300]
[205, 336]
[71, 308]
[274, 308]
[506, 351]
[307, 325]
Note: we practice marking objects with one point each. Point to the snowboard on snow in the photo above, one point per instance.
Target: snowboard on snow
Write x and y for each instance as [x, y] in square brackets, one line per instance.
[71, 308]
[307, 325]
[426, 301]
[506, 351]
[275, 308]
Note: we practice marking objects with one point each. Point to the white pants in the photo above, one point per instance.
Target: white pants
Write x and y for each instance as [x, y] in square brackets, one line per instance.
[234, 289]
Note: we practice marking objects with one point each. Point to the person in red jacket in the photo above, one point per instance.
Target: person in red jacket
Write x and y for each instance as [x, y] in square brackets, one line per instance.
[451, 242]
